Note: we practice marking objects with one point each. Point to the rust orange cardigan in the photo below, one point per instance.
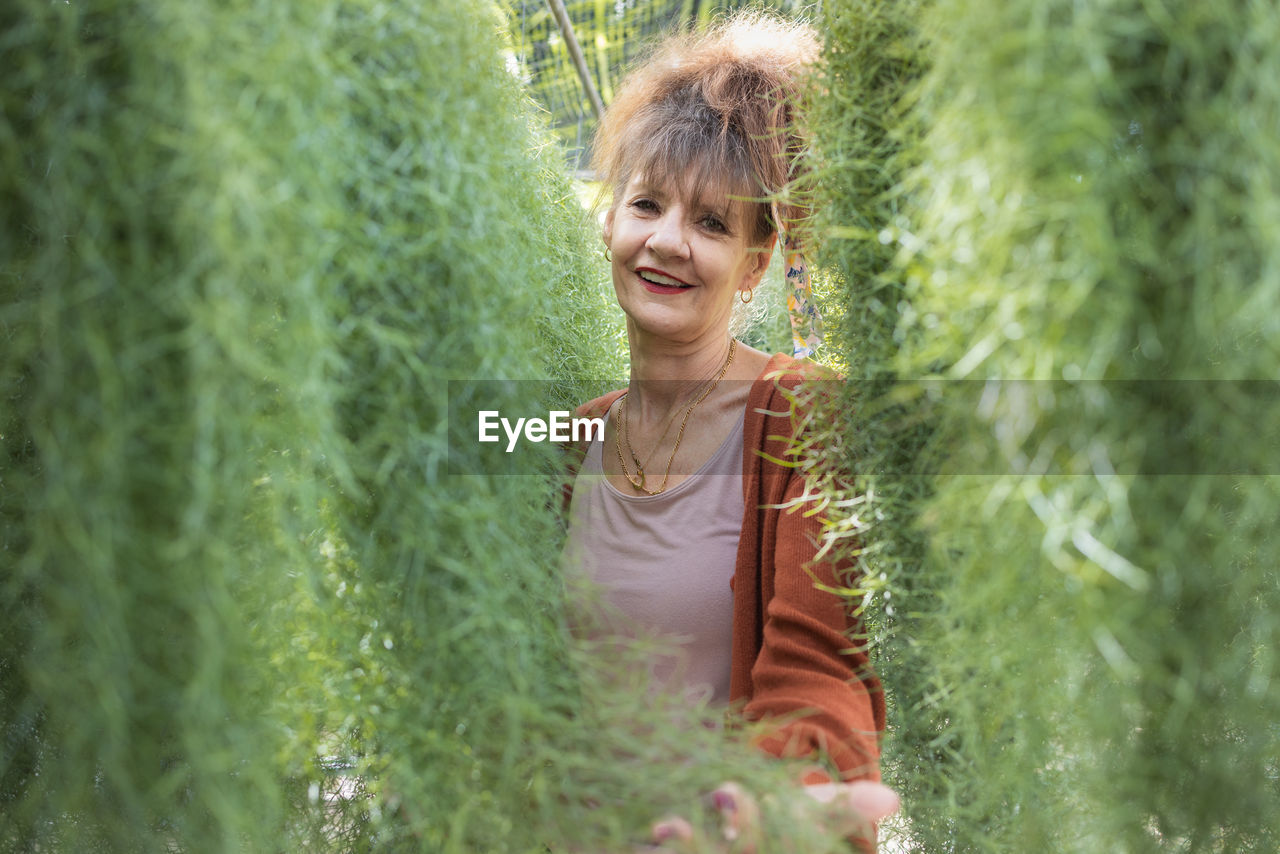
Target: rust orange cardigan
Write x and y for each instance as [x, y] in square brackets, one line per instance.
[797, 661]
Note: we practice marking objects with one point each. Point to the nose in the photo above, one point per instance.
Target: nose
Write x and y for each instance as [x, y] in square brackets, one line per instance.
[668, 237]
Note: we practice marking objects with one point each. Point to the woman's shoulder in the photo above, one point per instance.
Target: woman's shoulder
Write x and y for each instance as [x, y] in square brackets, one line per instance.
[597, 407]
[783, 374]
[782, 400]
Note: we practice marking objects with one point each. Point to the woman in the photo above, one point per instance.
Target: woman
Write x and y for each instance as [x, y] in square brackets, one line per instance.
[694, 147]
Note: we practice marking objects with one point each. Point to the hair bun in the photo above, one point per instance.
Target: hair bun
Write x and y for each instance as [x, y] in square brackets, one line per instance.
[714, 107]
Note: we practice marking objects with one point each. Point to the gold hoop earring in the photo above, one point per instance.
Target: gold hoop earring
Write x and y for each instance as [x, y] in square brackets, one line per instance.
[746, 295]
[608, 256]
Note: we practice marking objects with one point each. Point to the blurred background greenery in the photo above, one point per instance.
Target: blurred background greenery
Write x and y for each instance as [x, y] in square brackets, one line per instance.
[611, 34]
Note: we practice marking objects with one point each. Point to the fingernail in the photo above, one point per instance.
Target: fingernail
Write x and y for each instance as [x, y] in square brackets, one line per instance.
[724, 801]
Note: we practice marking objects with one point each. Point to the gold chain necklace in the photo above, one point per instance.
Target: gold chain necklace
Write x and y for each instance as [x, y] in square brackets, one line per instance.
[638, 481]
[666, 426]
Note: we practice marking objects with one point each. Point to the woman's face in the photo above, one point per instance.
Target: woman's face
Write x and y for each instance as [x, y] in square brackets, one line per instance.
[679, 262]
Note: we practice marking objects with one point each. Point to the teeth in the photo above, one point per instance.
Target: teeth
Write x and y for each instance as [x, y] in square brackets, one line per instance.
[659, 279]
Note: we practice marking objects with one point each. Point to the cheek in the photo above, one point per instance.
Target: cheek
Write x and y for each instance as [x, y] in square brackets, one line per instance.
[727, 267]
[622, 235]
[617, 272]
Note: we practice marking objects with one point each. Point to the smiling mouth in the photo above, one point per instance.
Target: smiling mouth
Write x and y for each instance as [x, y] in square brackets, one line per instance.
[653, 277]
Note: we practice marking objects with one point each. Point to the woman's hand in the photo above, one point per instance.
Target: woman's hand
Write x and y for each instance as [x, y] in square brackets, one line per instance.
[847, 809]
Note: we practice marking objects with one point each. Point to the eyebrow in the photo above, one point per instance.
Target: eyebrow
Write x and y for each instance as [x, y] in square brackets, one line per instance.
[725, 209]
[644, 188]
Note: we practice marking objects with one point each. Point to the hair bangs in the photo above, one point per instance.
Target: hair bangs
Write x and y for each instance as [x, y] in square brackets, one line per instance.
[700, 157]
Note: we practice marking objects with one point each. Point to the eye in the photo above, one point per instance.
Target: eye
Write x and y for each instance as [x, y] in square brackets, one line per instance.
[644, 205]
[714, 223]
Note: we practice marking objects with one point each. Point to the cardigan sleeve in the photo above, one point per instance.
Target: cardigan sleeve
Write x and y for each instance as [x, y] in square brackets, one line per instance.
[810, 677]
[812, 674]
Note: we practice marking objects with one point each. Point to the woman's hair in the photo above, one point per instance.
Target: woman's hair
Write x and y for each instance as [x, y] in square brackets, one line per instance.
[714, 110]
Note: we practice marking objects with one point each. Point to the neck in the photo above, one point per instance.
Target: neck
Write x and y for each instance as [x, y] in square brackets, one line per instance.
[664, 374]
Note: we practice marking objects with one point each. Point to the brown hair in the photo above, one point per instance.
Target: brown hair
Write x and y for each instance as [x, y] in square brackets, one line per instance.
[714, 109]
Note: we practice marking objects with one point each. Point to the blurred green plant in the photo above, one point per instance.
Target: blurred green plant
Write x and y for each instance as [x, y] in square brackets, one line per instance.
[244, 248]
[878, 434]
[1090, 208]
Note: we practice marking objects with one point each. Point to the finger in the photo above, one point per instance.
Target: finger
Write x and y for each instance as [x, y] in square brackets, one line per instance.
[851, 809]
[823, 793]
[739, 814]
[671, 829]
[872, 801]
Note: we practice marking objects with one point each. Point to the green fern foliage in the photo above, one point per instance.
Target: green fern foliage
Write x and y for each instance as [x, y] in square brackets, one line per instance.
[879, 437]
[245, 248]
[1083, 259]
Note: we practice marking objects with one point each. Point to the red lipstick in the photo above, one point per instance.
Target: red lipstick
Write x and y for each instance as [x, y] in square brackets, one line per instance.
[661, 282]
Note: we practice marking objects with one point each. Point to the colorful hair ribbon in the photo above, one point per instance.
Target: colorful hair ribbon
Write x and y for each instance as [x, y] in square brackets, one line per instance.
[806, 322]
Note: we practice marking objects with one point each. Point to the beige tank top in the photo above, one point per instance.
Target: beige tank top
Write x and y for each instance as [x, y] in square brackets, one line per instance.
[661, 567]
